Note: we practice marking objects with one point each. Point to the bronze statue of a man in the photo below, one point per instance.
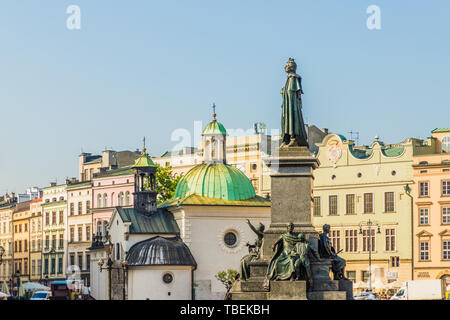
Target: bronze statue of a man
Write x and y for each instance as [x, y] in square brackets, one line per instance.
[304, 251]
[254, 251]
[327, 251]
[292, 125]
[282, 264]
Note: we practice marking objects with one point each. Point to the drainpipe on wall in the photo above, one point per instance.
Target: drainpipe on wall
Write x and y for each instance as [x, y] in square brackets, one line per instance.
[408, 192]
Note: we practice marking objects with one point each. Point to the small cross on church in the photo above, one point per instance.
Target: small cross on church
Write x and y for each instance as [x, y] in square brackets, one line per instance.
[214, 111]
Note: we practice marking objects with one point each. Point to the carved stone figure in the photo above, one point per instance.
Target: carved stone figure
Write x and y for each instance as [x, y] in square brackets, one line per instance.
[282, 264]
[302, 264]
[254, 251]
[327, 251]
[292, 125]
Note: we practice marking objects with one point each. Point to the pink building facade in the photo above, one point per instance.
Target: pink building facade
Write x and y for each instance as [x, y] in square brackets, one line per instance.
[110, 189]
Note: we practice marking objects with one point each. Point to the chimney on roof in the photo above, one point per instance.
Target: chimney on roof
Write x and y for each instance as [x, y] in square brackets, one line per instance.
[52, 184]
[325, 130]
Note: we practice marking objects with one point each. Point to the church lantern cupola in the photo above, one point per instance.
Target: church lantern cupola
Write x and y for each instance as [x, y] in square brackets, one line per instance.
[214, 138]
[145, 184]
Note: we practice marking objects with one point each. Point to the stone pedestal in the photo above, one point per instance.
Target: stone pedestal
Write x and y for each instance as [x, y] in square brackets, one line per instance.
[291, 187]
[291, 184]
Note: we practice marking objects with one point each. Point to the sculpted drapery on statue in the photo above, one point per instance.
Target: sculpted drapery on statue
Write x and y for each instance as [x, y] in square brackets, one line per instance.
[327, 251]
[292, 125]
[282, 264]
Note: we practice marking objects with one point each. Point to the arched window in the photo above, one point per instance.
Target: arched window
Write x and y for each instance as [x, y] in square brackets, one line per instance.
[112, 199]
[121, 199]
[105, 200]
[446, 144]
[99, 228]
[99, 201]
[105, 224]
[127, 198]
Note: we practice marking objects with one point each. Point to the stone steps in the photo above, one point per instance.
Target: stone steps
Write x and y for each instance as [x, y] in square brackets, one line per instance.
[326, 295]
[249, 296]
[325, 285]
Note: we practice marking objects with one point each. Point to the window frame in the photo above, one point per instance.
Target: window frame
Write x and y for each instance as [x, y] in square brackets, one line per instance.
[424, 251]
[447, 215]
[445, 251]
[422, 194]
[427, 216]
[350, 204]
[389, 201]
[366, 202]
[446, 188]
[316, 207]
[334, 206]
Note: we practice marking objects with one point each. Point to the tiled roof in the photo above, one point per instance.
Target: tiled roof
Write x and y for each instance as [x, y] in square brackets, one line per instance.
[160, 222]
[123, 171]
[441, 130]
[78, 184]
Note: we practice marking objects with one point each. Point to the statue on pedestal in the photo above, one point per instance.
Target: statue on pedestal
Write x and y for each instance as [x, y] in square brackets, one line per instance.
[327, 251]
[254, 251]
[282, 264]
[302, 265]
[292, 125]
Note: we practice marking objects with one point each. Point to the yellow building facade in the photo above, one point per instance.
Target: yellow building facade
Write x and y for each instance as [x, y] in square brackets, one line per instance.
[21, 241]
[432, 209]
[7, 207]
[355, 187]
[36, 240]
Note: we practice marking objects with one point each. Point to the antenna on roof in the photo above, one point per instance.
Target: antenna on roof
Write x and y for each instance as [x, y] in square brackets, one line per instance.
[356, 136]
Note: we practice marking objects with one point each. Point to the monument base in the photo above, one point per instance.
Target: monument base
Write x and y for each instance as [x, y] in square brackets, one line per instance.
[323, 287]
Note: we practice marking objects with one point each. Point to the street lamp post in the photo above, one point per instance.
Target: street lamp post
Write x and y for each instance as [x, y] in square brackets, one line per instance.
[369, 225]
[109, 267]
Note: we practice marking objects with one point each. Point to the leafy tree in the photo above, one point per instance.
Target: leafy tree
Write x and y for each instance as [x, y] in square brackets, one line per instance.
[166, 183]
[227, 278]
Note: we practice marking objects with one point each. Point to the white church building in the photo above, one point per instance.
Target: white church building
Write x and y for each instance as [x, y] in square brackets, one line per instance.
[175, 250]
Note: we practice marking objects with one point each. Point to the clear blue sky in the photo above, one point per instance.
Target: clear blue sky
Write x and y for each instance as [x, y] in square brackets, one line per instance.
[149, 67]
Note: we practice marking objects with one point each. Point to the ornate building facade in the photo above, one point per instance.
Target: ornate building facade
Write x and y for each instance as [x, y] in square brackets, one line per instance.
[79, 226]
[359, 186]
[431, 219]
[54, 232]
[36, 240]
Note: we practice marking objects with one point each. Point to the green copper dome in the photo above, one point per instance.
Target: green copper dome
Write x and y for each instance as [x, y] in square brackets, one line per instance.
[214, 127]
[220, 181]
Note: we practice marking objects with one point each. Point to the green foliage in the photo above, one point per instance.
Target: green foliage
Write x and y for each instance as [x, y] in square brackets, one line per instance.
[166, 183]
[227, 278]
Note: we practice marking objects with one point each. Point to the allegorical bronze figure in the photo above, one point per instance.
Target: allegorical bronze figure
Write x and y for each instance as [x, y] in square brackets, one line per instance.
[254, 251]
[327, 251]
[292, 125]
[282, 264]
[302, 264]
